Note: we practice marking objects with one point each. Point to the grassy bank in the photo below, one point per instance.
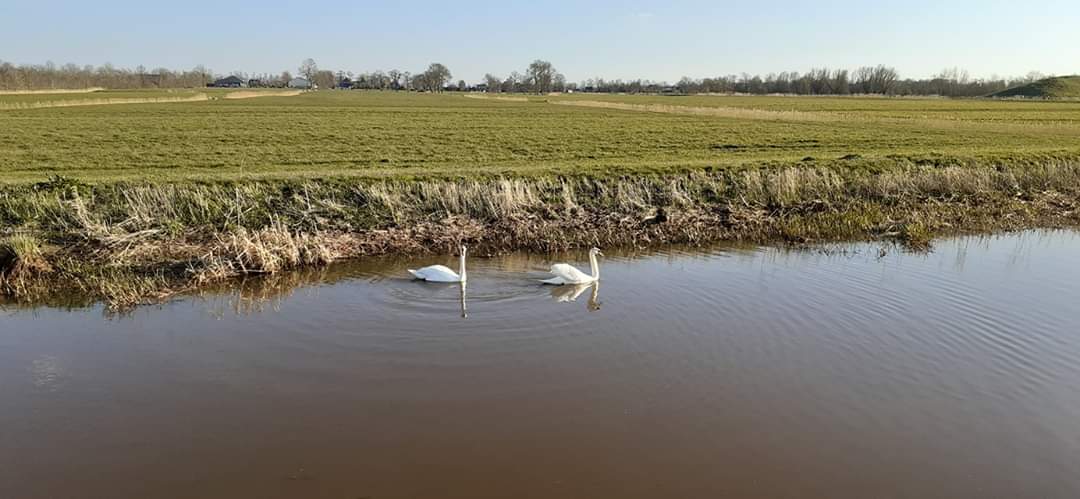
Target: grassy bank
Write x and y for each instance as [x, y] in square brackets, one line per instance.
[1060, 87]
[133, 242]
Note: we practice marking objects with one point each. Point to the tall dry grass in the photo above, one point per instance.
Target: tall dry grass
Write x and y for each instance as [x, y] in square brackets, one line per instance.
[164, 238]
[262, 251]
[21, 261]
[139, 211]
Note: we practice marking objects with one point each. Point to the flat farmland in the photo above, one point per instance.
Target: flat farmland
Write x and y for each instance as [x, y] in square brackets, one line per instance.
[335, 134]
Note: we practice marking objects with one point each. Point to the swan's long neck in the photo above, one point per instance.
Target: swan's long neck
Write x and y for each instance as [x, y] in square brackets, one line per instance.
[461, 267]
[595, 267]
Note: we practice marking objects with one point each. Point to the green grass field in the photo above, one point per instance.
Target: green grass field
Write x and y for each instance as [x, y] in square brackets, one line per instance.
[1061, 87]
[373, 134]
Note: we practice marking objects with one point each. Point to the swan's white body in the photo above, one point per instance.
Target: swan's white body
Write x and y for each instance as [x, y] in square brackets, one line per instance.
[441, 273]
[567, 274]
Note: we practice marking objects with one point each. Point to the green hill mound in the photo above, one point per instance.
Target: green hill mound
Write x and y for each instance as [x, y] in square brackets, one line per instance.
[1061, 87]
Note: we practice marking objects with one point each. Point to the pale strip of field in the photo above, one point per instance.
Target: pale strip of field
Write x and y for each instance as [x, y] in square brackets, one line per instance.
[101, 102]
[52, 91]
[828, 117]
[724, 112]
[504, 99]
[248, 94]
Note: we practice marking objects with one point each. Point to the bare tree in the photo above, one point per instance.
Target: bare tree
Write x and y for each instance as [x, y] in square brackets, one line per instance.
[541, 76]
[395, 79]
[513, 83]
[1033, 76]
[559, 84]
[323, 79]
[434, 79]
[308, 69]
[493, 83]
[876, 80]
[839, 83]
[203, 74]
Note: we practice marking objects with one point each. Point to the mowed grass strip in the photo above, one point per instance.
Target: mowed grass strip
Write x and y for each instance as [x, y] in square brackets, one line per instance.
[335, 134]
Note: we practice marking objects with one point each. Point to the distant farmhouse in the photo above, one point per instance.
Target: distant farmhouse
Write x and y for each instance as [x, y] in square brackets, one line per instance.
[300, 83]
[228, 82]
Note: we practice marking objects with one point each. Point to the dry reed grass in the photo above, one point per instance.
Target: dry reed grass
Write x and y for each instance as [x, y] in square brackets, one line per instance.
[22, 255]
[21, 261]
[166, 238]
[263, 251]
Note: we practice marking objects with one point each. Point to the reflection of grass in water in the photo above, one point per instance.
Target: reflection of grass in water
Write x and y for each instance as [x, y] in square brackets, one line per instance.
[247, 295]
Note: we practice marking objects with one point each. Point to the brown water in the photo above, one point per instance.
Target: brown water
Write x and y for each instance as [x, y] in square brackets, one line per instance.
[729, 373]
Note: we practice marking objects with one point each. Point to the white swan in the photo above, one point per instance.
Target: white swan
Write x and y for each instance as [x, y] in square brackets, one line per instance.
[567, 274]
[440, 273]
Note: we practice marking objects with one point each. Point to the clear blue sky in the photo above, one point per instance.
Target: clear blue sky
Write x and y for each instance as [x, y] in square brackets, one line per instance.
[654, 40]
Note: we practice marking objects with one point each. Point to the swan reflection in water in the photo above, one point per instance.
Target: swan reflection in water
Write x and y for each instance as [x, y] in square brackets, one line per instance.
[464, 309]
[562, 294]
[570, 292]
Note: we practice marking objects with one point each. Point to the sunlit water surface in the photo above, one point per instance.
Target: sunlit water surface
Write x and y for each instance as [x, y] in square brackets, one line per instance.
[841, 373]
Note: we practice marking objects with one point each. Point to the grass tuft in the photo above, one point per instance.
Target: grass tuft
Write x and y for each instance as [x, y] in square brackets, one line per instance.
[264, 251]
[21, 261]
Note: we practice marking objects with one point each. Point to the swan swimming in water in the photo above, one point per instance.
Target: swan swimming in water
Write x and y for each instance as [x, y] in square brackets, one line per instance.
[567, 274]
[440, 273]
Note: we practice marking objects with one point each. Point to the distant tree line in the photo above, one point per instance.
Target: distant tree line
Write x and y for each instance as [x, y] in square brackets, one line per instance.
[71, 76]
[49, 76]
[540, 77]
[880, 80]
[435, 78]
